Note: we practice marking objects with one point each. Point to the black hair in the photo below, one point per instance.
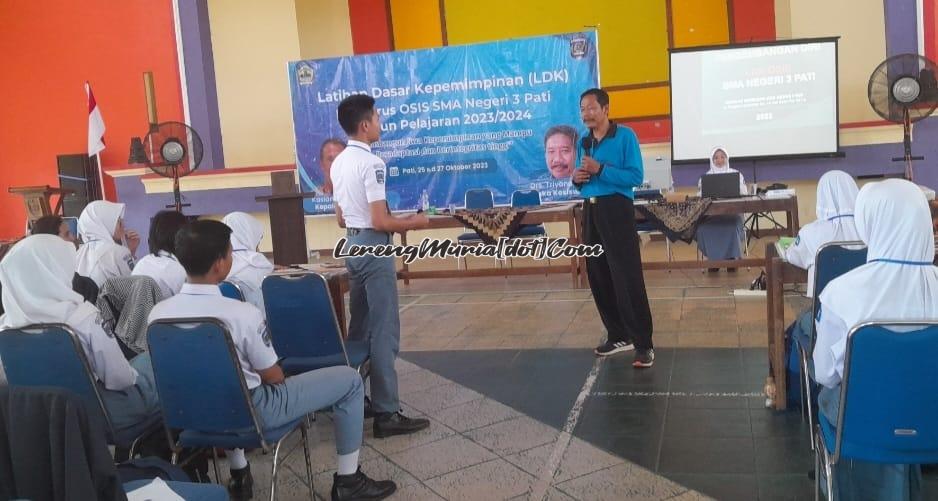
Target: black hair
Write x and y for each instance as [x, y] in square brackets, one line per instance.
[163, 228]
[332, 140]
[601, 96]
[566, 130]
[200, 243]
[47, 225]
[354, 110]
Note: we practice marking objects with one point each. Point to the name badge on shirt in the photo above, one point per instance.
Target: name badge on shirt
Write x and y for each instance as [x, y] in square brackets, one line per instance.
[379, 174]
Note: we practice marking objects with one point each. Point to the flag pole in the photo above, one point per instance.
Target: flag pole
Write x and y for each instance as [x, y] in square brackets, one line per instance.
[97, 157]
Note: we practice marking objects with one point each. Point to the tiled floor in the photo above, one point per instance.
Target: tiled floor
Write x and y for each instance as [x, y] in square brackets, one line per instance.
[521, 409]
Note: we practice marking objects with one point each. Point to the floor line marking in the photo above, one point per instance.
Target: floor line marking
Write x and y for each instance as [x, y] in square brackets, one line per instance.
[408, 305]
[541, 486]
[693, 394]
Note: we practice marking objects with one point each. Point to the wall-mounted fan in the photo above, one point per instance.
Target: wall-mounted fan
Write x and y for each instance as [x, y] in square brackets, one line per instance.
[903, 90]
[171, 149]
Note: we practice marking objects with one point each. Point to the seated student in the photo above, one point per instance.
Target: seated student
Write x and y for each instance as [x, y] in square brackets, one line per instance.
[721, 237]
[55, 225]
[101, 255]
[836, 198]
[52, 225]
[204, 249]
[161, 264]
[898, 282]
[37, 277]
[249, 267]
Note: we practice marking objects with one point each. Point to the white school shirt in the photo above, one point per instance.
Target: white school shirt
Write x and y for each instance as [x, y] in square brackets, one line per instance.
[358, 179]
[104, 354]
[813, 236]
[248, 276]
[100, 260]
[245, 323]
[165, 269]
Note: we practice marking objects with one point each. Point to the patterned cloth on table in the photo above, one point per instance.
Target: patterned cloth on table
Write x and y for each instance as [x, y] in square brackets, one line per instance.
[677, 220]
[492, 224]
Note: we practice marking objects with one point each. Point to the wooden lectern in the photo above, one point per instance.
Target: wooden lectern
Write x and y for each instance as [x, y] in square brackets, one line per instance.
[38, 200]
[287, 219]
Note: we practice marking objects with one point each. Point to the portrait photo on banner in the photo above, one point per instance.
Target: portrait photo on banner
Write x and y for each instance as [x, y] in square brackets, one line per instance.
[499, 115]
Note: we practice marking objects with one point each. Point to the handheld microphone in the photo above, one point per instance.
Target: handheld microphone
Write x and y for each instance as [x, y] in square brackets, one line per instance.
[588, 143]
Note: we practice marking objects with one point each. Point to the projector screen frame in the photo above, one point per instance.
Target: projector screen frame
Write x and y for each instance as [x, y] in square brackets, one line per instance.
[795, 41]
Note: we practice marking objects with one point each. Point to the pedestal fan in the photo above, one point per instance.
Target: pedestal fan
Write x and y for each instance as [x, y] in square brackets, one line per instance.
[902, 89]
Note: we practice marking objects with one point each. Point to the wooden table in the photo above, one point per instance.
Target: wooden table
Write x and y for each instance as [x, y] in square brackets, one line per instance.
[745, 205]
[338, 281]
[564, 212]
[778, 273]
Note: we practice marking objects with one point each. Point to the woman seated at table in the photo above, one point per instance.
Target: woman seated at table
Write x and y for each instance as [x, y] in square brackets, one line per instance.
[249, 267]
[836, 199]
[721, 237]
[898, 282]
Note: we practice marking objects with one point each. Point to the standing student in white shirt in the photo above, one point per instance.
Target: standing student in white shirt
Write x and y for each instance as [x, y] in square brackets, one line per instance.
[102, 254]
[204, 249]
[161, 264]
[358, 181]
[898, 282]
[37, 289]
[249, 267]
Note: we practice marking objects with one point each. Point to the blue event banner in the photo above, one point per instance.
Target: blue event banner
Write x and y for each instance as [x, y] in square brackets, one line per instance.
[454, 118]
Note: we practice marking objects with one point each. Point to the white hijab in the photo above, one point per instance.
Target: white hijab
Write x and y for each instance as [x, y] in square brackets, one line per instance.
[725, 169]
[898, 281]
[99, 220]
[37, 284]
[836, 195]
[246, 235]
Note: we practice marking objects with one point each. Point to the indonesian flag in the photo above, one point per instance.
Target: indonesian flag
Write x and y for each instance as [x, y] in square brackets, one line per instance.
[95, 124]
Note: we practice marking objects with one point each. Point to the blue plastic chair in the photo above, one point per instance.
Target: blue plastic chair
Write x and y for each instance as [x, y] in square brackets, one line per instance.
[887, 411]
[832, 260]
[522, 199]
[204, 396]
[476, 199]
[303, 325]
[231, 290]
[50, 355]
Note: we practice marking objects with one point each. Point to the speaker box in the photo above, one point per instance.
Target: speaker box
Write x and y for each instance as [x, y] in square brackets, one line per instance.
[78, 172]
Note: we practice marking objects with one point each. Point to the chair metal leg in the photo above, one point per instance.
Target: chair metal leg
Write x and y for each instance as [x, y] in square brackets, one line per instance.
[817, 471]
[309, 462]
[828, 468]
[215, 465]
[808, 401]
[273, 473]
[804, 400]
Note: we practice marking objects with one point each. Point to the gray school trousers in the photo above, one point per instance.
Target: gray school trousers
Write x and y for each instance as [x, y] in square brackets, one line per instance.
[374, 315]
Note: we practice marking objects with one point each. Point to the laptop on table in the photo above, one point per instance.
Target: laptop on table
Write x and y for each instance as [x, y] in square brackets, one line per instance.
[724, 185]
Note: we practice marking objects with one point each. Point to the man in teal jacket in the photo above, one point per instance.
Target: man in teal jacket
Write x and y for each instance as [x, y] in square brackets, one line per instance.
[610, 166]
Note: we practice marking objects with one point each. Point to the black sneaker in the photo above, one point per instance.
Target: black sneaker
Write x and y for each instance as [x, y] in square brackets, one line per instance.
[644, 359]
[241, 484]
[611, 348]
[358, 487]
[389, 424]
